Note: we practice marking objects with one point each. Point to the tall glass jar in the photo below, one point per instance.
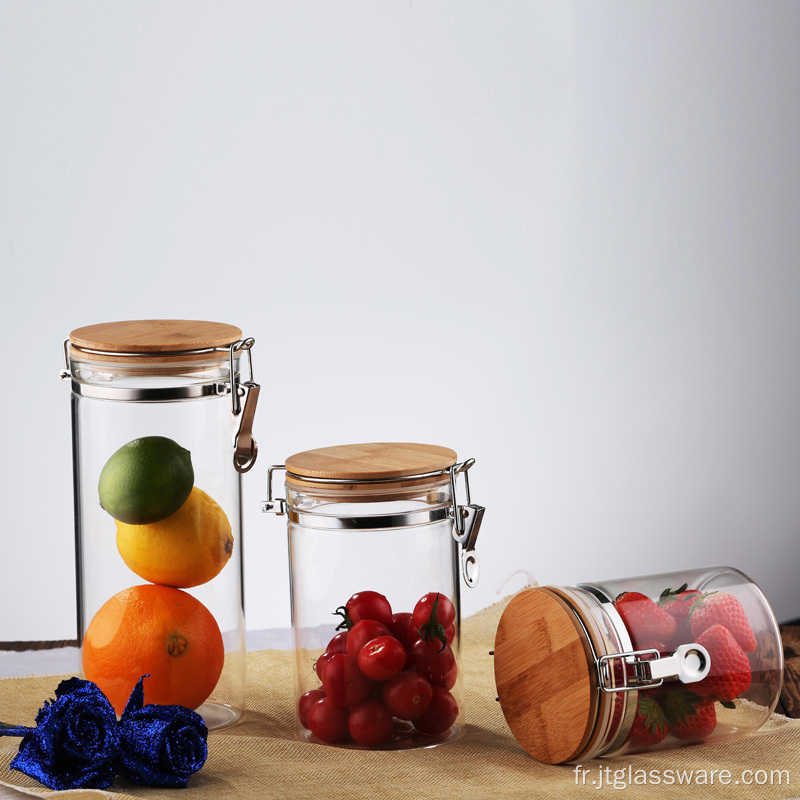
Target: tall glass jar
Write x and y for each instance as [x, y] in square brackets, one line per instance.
[162, 430]
[636, 664]
[374, 532]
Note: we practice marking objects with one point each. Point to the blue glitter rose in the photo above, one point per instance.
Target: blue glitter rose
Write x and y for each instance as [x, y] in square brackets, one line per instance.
[75, 742]
[160, 745]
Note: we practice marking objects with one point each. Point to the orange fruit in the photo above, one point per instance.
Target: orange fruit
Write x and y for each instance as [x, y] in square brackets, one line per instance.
[157, 630]
[186, 549]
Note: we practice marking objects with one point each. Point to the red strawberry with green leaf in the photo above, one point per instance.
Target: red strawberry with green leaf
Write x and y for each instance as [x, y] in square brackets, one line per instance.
[650, 725]
[644, 619]
[721, 608]
[730, 674]
[689, 716]
[678, 603]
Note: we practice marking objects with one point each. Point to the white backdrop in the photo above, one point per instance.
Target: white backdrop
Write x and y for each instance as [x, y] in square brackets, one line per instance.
[561, 238]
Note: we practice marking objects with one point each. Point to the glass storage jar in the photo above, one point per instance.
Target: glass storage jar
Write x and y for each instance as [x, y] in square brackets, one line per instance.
[374, 533]
[161, 430]
[637, 664]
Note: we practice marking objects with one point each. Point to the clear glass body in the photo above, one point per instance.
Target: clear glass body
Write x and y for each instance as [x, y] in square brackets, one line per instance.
[718, 607]
[403, 563]
[201, 425]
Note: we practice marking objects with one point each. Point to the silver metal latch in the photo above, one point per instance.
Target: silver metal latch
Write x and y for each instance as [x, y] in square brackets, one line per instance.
[273, 505]
[689, 663]
[244, 398]
[66, 372]
[467, 521]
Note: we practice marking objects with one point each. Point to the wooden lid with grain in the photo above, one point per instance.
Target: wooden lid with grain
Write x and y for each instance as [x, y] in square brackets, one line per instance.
[545, 676]
[372, 461]
[154, 339]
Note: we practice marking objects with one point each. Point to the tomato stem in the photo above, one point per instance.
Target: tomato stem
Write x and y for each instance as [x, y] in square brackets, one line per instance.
[346, 622]
[433, 629]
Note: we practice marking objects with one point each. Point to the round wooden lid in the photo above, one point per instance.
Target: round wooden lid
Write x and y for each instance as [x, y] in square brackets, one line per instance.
[151, 337]
[371, 461]
[545, 676]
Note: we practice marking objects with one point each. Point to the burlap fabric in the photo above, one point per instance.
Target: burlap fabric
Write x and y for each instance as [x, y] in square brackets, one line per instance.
[261, 758]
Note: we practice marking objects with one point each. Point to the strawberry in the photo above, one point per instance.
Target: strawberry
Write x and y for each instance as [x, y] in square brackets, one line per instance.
[650, 725]
[678, 603]
[721, 608]
[643, 618]
[658, 692]
[689, 716]
[730, 673]
[654, 644]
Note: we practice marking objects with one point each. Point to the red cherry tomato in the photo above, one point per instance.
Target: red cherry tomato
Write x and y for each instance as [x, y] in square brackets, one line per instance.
[412, 632]
[445, 611]
[435, 666]
[449, 680]
[369, 605]
[338, 644]
[370, 723]
[305, 702]
[440, 714]
[363, 632]
[382, 658]
[407, 695]
[319, 665]
[343, 681]
[327, 721]
[398, 627]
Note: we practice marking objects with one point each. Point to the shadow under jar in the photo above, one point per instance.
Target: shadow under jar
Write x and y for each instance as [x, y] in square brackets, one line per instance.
[162, 430]
[637, 664]
[374, 532]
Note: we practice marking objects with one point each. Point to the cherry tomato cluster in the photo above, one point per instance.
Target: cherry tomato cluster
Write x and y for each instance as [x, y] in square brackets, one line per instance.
[384, 671]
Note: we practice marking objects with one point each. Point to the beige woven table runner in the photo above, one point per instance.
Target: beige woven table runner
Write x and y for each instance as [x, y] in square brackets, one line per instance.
[261, 758]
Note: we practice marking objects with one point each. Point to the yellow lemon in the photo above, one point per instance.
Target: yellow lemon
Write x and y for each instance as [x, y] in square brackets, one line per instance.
[186, 549]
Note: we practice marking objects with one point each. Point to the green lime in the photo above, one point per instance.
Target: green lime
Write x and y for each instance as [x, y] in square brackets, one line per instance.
[146, 480]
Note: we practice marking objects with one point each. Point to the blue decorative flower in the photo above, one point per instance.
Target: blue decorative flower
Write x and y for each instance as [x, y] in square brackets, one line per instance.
[160, 745]
[75, 741]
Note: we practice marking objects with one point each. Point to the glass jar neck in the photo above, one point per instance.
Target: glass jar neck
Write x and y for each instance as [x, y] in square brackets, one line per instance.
[356, 507]
[151, 380]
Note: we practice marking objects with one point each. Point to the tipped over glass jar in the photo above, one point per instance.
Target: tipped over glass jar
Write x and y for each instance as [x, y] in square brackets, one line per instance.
[637, 664]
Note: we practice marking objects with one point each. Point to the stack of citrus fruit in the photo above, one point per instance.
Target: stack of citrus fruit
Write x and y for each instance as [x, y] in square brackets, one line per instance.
[174, 535]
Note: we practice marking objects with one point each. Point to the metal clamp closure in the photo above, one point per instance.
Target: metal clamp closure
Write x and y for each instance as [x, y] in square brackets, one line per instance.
[466, 518]
[689, 663]
[467, 521]
[66, 372]
[244, 394]
[244, 398]
[273, 505]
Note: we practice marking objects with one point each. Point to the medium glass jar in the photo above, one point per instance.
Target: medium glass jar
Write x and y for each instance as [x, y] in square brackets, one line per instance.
[162, 429]
[374, 533]
[637, 664]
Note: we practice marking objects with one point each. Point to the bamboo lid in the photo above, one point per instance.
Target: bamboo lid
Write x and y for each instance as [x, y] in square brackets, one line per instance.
[374, 463]
[154, 339]
[545, 676]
